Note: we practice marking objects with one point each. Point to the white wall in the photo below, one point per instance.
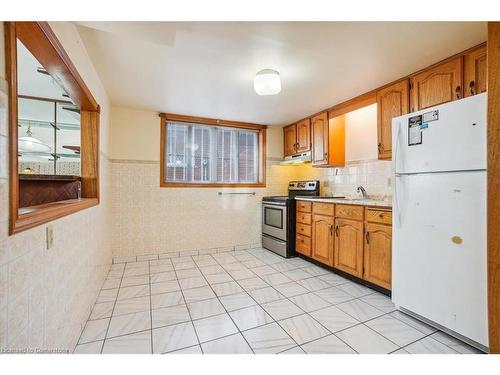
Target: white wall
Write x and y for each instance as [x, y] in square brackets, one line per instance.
[46, 295]
[361, 134]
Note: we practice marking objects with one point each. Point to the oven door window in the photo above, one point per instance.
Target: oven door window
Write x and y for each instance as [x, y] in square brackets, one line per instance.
[273, 217]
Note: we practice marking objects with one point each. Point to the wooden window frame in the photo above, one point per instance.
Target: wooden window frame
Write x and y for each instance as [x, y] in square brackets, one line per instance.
[166, 117]
[41, 41]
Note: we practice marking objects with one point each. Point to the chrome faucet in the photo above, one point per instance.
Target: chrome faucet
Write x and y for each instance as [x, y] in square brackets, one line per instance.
[361, 189]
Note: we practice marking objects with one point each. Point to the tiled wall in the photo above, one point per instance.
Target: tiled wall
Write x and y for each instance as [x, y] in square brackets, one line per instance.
[152, 220]
[46, 295]
[373, 175]
[62, 167]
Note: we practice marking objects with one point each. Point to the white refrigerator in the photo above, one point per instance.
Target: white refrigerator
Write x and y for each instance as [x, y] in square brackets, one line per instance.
[439, 217]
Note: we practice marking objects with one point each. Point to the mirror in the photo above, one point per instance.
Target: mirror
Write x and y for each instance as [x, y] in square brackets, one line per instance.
[48, 147]
[48, 122]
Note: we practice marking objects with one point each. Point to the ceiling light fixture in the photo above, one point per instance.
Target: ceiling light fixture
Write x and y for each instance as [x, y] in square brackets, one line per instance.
[267, 82]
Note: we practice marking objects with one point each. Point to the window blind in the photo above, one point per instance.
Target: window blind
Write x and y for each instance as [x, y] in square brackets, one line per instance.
[210, 154]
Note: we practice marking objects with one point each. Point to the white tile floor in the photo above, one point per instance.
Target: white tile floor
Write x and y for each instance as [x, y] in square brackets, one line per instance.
[248, 301]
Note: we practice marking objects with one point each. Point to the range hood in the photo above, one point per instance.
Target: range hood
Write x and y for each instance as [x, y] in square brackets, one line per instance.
[304, 157]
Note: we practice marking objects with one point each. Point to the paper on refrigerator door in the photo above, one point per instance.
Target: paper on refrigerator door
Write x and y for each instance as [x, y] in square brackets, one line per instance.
[414, 131]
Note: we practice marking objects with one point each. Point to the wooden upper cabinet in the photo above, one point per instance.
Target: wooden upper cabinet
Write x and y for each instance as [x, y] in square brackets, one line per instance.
[290, 140]
[392, 101]
[475, 68]
[304, 135]
[328, 141]
[439, 84]
[322, 239]
[319, 127]
[378, 254]
[349, 246]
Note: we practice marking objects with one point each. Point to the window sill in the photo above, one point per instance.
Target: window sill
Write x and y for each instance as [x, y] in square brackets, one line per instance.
[194, 185]
[30, 217]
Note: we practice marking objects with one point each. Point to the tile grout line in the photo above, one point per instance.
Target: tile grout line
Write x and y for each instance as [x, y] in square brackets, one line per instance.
[355, 325]
[112, 310]
[305, 313]
[92, 310]
[224, 307]
[150, 306]
[247, 292]
[312, 317]
[258, 304]
[187, 308]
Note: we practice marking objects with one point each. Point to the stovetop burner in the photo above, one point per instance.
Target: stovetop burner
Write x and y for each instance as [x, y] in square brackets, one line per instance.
[297, 188]
[276, 198]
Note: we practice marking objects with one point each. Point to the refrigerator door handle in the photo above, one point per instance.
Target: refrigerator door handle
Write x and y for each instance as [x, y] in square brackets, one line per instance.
[395, 164]
[397, 215]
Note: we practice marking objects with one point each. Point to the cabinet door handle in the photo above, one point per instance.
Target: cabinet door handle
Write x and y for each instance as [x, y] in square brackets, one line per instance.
[472, 85]
[457, 91]
[331, 230]
[380, 147]
[367, 237]
[337, 230]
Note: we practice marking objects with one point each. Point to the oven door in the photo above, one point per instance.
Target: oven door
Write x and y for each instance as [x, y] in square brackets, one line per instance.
[274, 219]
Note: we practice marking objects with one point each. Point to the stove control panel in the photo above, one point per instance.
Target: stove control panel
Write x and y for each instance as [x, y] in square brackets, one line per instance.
[303, 185]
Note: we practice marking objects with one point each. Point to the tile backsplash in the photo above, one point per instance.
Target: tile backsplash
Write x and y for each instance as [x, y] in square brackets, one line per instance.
[374, 175]
[70, 168]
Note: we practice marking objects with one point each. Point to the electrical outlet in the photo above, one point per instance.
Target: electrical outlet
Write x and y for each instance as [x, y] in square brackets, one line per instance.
[389, 181]
[326, 183]
[49, 236]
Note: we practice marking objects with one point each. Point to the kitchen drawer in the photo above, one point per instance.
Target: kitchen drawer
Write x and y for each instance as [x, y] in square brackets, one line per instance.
[375, 215]
[303, 206]
[304, 218]
[304, 229]
[349, 211]
[323, 208]
[303, 245]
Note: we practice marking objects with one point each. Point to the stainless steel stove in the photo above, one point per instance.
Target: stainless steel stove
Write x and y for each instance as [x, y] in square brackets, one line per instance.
[278, 217]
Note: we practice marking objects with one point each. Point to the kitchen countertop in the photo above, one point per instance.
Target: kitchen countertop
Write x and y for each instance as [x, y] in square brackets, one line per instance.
[361, 202]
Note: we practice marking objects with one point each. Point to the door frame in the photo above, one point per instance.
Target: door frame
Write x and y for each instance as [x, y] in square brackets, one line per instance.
[493, 84]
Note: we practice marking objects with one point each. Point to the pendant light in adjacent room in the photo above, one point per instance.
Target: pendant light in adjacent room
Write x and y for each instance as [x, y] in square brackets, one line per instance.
[31, 144]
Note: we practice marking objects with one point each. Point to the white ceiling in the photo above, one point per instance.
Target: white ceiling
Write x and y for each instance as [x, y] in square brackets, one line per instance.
[207, 68]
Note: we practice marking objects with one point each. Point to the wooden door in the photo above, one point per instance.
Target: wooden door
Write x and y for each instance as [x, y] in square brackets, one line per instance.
[304, 135]
[319, 128]
[349, 246]
[392, 101]
[322, 239]
[437, 85]
[475, 69]
[378, 254]
[290, 140]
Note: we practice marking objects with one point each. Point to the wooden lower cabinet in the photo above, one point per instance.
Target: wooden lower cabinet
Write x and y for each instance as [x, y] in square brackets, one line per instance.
[349, 246]
[303, 245]
[378, 254]
[322, 239]
[351, 238]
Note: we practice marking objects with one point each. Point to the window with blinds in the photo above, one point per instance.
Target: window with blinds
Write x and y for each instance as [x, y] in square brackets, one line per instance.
[208, 154]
